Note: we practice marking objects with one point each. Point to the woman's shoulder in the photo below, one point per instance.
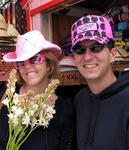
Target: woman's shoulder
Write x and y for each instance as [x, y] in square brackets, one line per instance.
[3, 111]
[64, 108]
[3, 121]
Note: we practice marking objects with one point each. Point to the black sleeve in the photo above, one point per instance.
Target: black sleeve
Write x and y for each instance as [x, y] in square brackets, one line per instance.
[3, 127]
[68, 138]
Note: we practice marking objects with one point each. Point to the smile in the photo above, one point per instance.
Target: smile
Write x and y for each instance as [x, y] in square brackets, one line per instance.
[89, 66]
[31, 74]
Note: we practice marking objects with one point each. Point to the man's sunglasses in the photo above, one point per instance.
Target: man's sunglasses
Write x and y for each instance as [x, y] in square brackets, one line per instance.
[37, 59]
[80, 49]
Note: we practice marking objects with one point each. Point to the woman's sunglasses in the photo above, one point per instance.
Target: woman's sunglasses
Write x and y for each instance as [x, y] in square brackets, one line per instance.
[37, 59]
[81, 49]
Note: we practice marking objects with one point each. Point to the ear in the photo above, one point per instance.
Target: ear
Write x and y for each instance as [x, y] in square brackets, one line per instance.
[113, 54]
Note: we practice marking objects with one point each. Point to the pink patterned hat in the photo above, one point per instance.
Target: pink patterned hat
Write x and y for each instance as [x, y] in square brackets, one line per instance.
[91, 27]
[29, 44]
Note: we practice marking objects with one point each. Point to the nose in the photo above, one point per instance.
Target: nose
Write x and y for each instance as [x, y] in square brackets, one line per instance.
[88, 54]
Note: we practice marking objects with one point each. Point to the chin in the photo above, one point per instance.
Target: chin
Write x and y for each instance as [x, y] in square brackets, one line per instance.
[32, 83]
[91, 77]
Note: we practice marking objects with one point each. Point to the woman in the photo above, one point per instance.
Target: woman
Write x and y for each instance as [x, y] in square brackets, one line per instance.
[36, 63]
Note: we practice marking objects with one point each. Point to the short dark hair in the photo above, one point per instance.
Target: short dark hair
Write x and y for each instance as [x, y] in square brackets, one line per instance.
[110, 44]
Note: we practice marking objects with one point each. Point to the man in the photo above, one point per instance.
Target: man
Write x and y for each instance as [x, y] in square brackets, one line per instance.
[102, 107]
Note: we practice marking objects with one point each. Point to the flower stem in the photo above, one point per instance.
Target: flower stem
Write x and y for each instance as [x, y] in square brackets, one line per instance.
[26, 136]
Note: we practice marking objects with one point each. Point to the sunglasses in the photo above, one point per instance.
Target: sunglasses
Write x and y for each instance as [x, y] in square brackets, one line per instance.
[37, 59]
[81, 49]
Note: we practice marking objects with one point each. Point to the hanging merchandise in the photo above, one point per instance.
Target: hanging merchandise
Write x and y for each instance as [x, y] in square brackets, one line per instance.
[4, 4]
[119, 17]
[8, 35]
[18, 20]
[20, 17]
[66, 44]
[121, 26]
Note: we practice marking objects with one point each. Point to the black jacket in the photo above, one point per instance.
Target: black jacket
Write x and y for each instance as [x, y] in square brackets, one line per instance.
[103, 119]
[58, 136]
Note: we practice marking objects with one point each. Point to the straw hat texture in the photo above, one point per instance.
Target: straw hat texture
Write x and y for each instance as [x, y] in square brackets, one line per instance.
[3, 24]
[11, 30]
[7, 30]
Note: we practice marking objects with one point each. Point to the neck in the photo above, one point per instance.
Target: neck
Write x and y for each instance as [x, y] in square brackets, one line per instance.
[97, 86]
[37, 89]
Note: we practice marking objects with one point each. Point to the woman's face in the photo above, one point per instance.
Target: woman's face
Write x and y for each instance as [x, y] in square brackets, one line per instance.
[34, 71]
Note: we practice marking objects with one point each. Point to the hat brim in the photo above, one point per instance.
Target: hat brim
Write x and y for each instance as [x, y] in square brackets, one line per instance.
[100, 40]
[12, 56]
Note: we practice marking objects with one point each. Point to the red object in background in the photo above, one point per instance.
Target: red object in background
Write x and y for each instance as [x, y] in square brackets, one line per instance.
[125, 16]
[41, 8]
[23, 3]
[6, 12]
[45, 6]
[14, 14]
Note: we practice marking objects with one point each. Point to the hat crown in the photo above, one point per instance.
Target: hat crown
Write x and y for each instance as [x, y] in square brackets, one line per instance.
[29, 43]
[91, 27]
[12, 31]
[3, 24]
[2, 19]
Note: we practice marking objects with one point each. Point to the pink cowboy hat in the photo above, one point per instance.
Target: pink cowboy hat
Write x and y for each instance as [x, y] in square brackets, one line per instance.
[28, 45]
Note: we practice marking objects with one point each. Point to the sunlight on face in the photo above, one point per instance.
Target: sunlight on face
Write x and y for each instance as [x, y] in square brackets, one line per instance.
[94, 65]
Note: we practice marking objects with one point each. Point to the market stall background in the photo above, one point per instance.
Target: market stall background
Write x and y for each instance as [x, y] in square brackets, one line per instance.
[54, 19]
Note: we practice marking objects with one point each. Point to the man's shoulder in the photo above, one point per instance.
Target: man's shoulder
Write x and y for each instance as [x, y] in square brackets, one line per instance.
[83, 91]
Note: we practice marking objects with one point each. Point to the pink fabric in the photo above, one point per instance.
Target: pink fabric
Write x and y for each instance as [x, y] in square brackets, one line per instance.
[30, 44]
[91, 27]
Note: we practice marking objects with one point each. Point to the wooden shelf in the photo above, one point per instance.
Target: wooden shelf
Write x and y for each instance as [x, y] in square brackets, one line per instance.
[121, 67]
[71, 78]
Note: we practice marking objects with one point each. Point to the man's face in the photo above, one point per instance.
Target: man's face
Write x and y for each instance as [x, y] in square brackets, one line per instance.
[94, 65]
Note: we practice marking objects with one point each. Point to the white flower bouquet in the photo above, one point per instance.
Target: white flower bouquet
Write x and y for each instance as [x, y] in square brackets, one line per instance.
[27, 112]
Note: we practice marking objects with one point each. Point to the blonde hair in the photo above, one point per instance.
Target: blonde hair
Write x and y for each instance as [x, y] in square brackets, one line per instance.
[51, 63]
